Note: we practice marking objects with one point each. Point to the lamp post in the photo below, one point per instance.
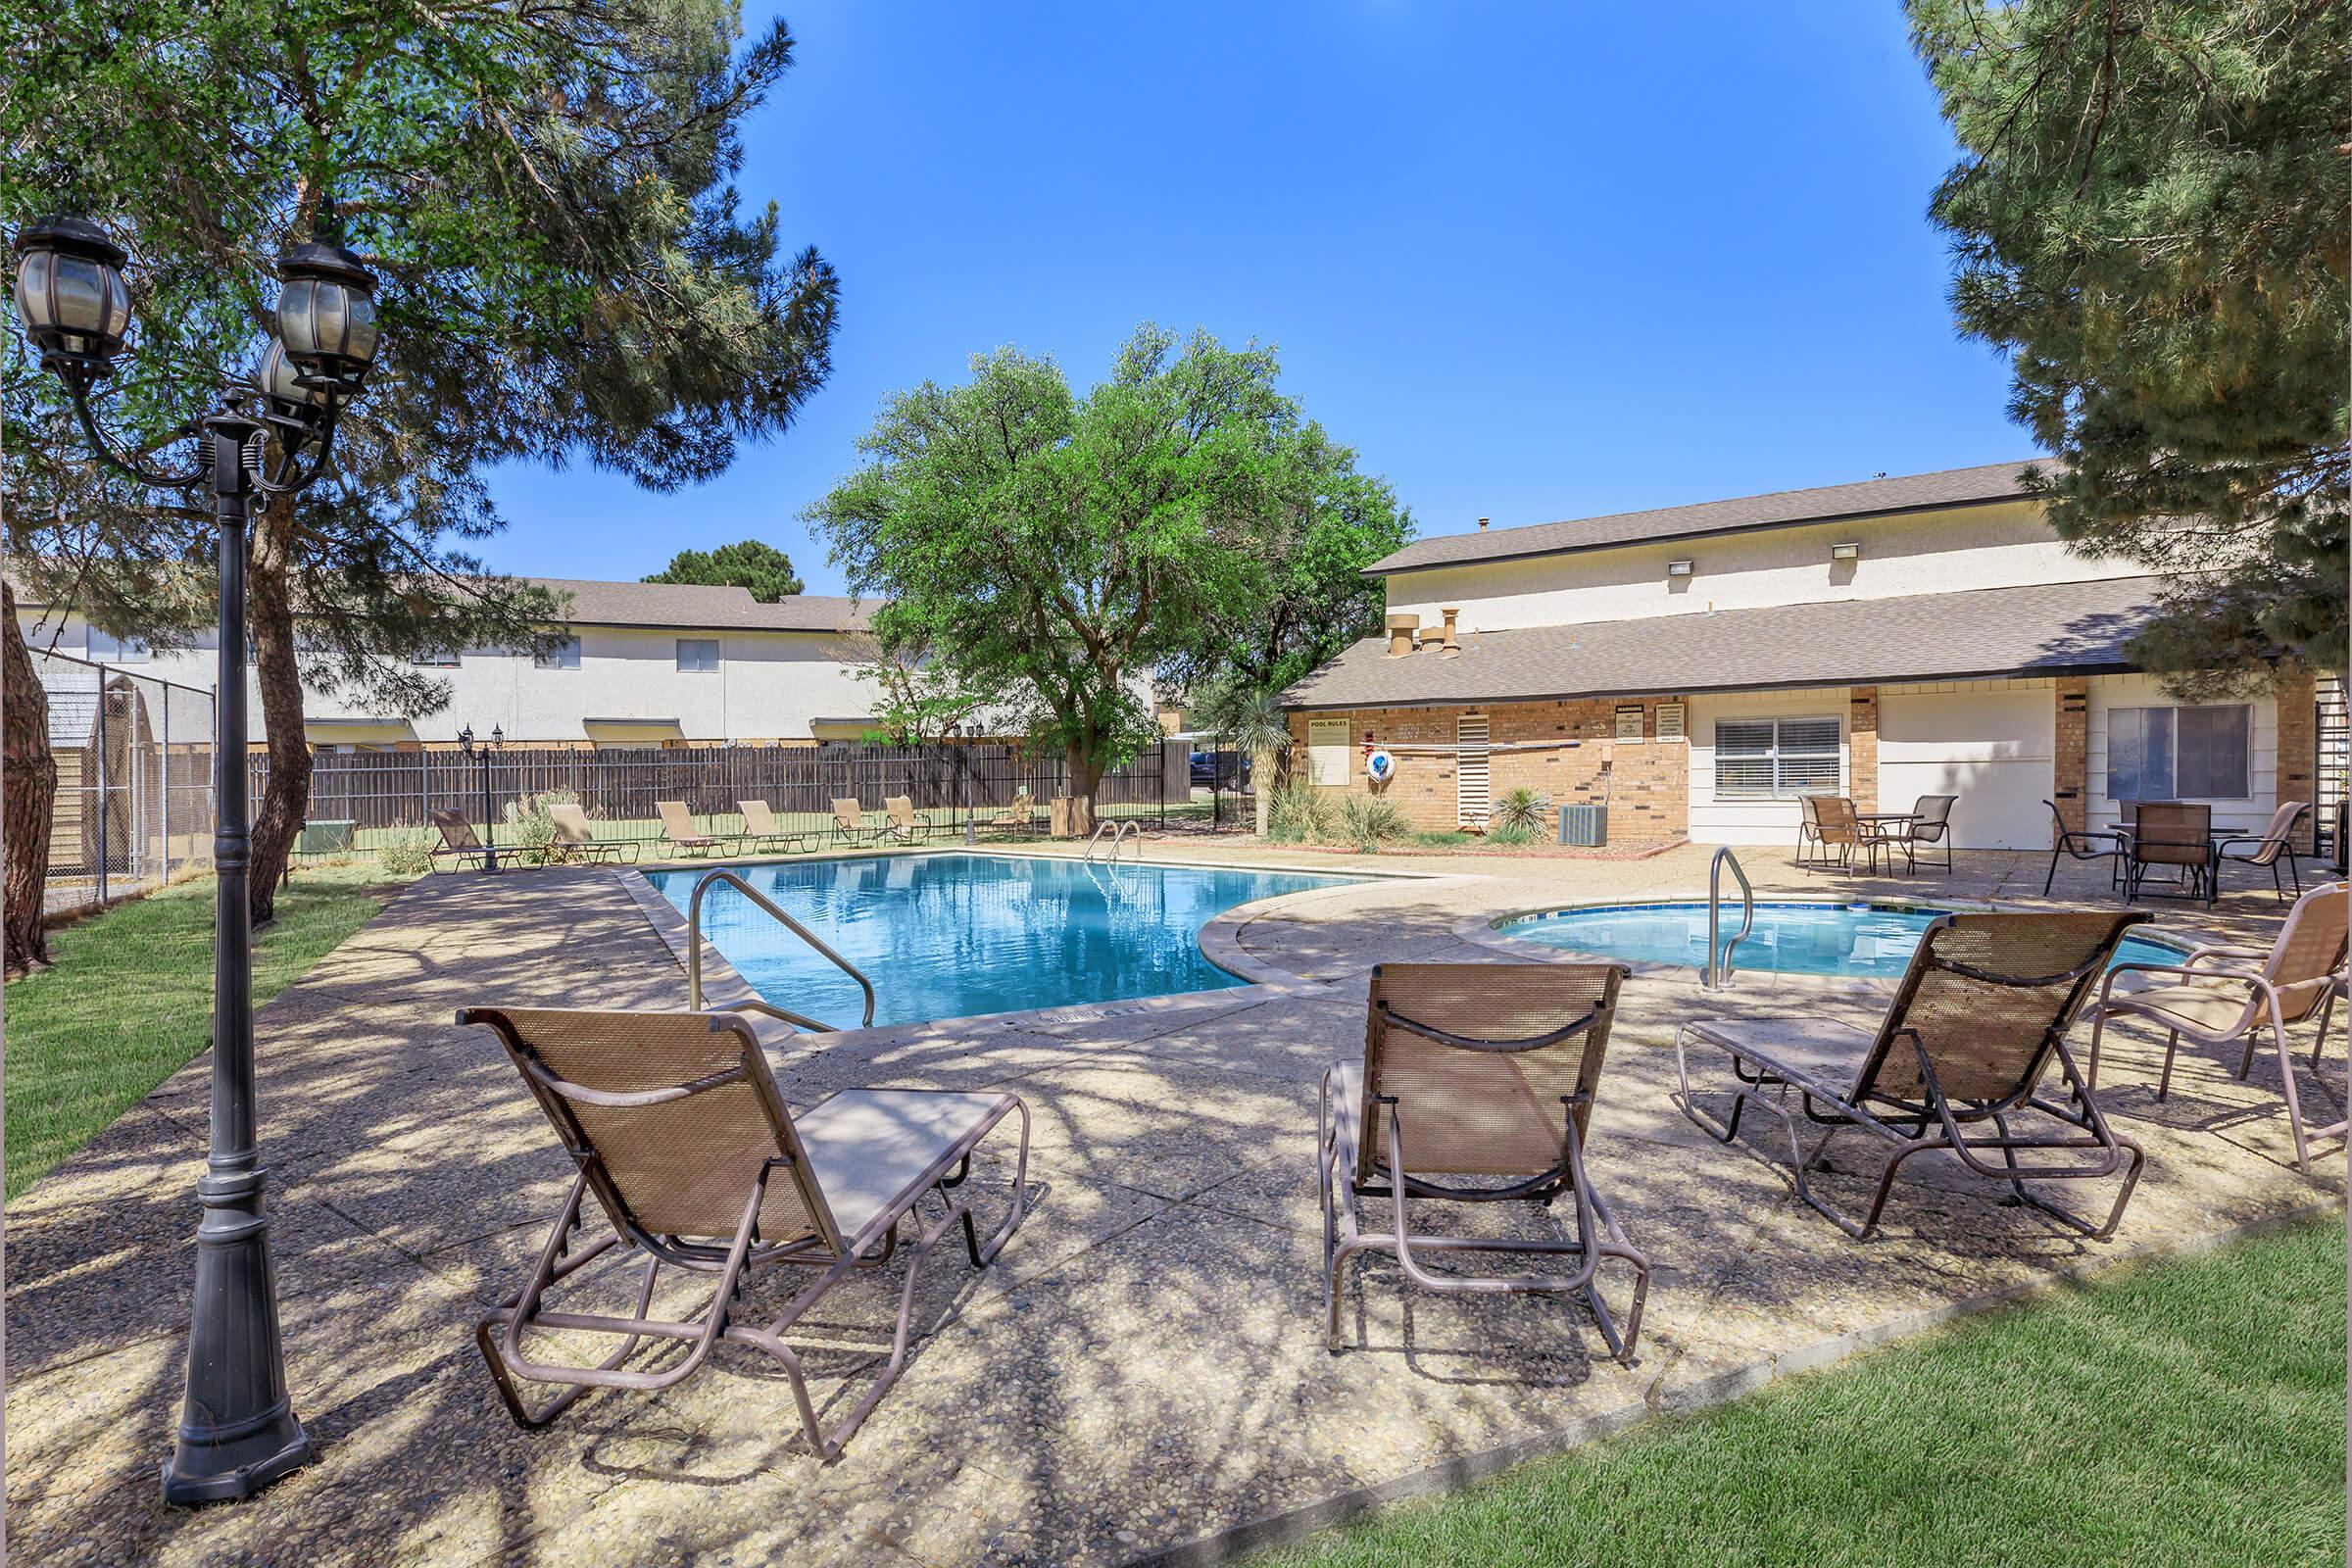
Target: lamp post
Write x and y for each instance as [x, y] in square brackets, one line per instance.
[482, 754]
[237, 1428]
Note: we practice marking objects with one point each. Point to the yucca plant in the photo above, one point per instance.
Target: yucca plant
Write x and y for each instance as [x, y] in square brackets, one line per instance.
[1519, 813]
[1297, 813]
[1368, 821]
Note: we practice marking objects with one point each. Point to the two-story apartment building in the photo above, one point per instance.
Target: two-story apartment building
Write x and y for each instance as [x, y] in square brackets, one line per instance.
[1698, 668]
[642, 665]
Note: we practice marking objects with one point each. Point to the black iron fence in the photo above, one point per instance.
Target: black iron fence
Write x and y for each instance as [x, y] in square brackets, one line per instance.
[359, 799]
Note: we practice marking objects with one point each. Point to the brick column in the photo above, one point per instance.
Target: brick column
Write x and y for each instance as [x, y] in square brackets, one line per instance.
[2071, 762]
[2298, 747]
[1862, 747]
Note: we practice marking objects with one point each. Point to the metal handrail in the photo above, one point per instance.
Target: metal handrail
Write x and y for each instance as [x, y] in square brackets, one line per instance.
[1120, 828]
[694, 952]
[1717, 972]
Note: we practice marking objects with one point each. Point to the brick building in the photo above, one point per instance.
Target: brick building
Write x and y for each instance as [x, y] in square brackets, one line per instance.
[1698, 668]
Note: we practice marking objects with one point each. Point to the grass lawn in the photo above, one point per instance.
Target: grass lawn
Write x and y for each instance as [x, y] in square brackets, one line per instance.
[2181, 1411]
[129, 1000]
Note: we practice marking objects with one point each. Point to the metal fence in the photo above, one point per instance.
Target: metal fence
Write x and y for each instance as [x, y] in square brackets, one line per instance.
[362, 799]
[134, 780]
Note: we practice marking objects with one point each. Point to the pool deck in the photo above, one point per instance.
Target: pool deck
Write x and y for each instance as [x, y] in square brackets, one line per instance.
[1142, 1369]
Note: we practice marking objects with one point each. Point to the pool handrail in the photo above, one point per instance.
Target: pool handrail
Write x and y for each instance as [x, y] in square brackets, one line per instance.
[1120, 828]
[694, 953]
[1717, 971]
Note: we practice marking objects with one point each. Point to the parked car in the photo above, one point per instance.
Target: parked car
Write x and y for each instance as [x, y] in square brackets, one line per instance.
[1227, 770]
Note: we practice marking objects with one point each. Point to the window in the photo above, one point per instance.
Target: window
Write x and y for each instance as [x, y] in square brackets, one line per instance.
[2188, 754]
[108, 649]
[564, 654]
[435, 658]
[698, 656]
[1776, 758]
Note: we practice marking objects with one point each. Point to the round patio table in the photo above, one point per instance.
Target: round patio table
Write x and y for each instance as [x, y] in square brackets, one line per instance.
[1882, 839]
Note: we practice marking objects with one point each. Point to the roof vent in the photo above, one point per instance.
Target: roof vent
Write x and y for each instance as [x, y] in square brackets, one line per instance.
[1482, 525]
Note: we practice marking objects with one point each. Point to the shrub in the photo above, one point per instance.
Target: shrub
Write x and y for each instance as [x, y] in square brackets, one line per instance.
[531, 831]
[409, 854]
[1297, 813]
[1520, 812]
[1511, 837]
[1367, 821]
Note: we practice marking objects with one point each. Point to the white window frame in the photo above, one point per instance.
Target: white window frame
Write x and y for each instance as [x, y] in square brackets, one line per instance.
[436, 659]
[1782, 787]
[2143, 714]
[117, 650]
[697, 668]
[566, 654]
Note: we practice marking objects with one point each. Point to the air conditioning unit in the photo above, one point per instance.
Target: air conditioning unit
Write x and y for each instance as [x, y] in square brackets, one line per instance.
[1584, 826]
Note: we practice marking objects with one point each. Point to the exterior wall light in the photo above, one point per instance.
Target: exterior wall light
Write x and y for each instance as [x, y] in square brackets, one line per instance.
[1849, 551]
[1677, 569]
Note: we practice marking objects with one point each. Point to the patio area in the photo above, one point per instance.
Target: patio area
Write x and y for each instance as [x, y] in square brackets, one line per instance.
[1140, 1373]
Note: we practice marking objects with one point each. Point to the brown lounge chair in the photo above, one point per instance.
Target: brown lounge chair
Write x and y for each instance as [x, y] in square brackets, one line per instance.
[1478, 1070]
[764, 832]
[905, 826]
[2273, 848]
[2221, 996]
[848, 824]
[1956, 1064]
[678, 827]
[2176, 834]
[1019, 816]
[459, 842]
[573, 841]
[679, 1130]
[1827, 823]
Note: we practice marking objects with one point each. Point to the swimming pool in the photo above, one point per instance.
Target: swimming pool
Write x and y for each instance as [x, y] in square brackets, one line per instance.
[955, 935]
[1864, 940]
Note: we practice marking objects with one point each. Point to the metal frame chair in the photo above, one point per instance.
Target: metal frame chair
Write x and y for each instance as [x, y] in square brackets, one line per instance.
[573, 836]
[848, 824]
[1978, 1020]
[2274, 844]
[1474, 1070]
[458, 842]
[762, 832]
[679, 1130]
[2080, 844]
[677, 826]
[2172, 833]
[1930, 825]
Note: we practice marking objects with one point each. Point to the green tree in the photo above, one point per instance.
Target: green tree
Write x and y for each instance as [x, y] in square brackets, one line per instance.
[1049, 550]
[2150, 216]
[546, 194]
[749, 564]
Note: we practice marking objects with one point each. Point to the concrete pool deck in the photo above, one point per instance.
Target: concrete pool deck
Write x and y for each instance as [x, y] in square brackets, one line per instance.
[1143, 1366]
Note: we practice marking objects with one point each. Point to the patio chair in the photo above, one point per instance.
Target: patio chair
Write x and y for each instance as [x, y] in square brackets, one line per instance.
[2274, 847]
[1828, 823]
[2083, 844]
[573, 841]
[1484, 1071]
[904, 825]
[459, 842]
[848, 824]
[2225, 995]
[763, 832]
[1956, 1064]
[1019, 816]
[677, 826]
[678, 1129]
[1930, 825]
[2177, 834]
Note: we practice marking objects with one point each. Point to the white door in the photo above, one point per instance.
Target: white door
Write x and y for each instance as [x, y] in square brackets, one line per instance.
[1471, 788]
[1994, 747]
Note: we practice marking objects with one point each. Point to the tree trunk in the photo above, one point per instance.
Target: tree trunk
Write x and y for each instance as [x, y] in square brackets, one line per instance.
[286, 800]
[1084, 771]
[27, 793]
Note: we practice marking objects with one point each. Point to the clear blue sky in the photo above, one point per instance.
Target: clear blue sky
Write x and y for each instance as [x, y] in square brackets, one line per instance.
[1533, 262]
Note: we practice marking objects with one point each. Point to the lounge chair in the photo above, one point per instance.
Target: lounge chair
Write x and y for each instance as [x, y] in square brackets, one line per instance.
[2226, 995]
[904, 825]
[2084, 844]
[1955, 1064]
[764, 832]
[2273, 846]
[1930, 824]
[2176, 834]
[679, 1130]
[1484, 1071]
[1018, 817]
[459, 844]
[573, 841]
[848, 824]
[678, 827]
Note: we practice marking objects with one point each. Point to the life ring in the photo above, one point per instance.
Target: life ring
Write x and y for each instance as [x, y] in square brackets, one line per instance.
[1380, 766]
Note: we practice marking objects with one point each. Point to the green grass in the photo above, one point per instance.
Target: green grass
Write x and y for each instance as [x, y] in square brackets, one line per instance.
[130, 998]
[2189, 1410]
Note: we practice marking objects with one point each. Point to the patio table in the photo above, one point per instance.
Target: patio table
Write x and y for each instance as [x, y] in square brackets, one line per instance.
[1879, 838]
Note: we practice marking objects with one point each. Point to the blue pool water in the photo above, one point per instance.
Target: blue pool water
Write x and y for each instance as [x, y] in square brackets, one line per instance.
[1869, 940]
[952, 936]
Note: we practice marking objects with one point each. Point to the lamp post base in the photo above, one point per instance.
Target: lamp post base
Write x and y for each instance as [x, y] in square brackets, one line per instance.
[215, 1467]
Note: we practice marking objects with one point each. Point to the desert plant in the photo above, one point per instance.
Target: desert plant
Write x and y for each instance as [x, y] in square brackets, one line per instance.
[1520, 812]
[409, 854]
[530, 829]
[1511, 836]
[1368, 821]
[1297, 813]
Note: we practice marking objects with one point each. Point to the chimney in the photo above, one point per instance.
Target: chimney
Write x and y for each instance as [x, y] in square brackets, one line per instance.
[1401, 632]
[1482, 525]
[1452, 644]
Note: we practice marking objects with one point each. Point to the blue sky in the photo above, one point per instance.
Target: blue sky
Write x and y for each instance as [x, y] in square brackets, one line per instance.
[1533, 262]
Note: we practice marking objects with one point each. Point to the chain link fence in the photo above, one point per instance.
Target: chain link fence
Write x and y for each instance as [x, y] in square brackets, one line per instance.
[135, 781]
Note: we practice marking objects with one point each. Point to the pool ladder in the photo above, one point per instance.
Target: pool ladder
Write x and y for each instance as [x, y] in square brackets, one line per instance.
[1717, 972]
[1120, 831]
[694, 953]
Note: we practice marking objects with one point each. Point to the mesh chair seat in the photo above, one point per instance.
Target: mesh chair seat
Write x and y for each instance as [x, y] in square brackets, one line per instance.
[872, 1149]
[2217, 1006]
[1818, 1054]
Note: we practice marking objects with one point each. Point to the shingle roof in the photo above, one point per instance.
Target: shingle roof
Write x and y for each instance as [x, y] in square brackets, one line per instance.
[693, 606]
[1785, 509]
[1986, 632]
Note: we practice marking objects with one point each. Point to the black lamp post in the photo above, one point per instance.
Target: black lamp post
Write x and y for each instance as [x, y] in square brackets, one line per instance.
[482, 754]
[237, 1428]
